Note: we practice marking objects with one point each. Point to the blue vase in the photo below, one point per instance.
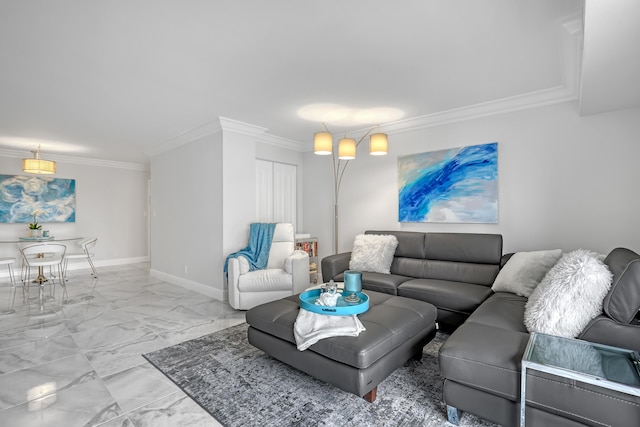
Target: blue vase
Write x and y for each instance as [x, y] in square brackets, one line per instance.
[352, 285]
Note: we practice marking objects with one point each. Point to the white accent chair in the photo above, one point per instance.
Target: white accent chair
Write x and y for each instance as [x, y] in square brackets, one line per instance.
[85, 245]
[287, 273]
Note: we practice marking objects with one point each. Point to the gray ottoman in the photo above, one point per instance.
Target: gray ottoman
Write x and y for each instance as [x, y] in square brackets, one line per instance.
[397, 330]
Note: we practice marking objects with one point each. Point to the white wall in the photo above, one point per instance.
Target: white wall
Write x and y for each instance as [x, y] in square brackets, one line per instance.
[186, 215]
[565, 181]
[239, 186]
[111, 204]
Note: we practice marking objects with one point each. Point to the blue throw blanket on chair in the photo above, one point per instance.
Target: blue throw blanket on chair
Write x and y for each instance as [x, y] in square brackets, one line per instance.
[257, 253]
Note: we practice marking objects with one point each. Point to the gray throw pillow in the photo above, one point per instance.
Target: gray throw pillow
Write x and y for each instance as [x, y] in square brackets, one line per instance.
[524, 270]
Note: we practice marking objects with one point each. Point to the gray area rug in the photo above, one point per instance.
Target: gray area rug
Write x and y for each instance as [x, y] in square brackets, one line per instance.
[242, 386]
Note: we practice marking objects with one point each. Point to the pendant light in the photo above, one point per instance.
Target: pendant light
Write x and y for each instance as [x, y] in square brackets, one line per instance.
[38, 165]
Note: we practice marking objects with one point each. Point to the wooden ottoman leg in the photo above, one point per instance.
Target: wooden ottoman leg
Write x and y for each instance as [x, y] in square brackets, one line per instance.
[371, 396]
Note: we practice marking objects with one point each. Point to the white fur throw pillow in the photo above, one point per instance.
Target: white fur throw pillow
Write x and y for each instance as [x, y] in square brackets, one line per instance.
[373, 252]
[524, 270]
[569, 296]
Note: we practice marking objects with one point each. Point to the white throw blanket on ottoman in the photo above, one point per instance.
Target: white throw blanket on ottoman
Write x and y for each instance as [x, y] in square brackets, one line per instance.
[312, 327]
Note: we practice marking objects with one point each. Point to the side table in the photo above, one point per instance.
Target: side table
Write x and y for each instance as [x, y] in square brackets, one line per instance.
[537, 356]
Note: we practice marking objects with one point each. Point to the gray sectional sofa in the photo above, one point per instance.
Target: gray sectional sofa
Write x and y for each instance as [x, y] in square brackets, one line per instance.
[481, 360]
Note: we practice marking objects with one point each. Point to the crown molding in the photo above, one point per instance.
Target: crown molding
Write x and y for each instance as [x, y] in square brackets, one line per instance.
[259, 133]
[556, 95]
[83, 161]
[209, 128]
[225, 124]
[236, 126]
[536, 99]
[277, 141]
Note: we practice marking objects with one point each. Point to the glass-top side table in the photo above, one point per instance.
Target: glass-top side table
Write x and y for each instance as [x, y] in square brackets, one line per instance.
[609, 367]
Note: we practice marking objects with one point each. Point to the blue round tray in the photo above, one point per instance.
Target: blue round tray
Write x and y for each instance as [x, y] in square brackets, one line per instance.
[342, 308]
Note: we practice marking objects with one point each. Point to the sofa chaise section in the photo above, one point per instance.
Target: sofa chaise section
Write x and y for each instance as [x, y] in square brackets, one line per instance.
[481, 361]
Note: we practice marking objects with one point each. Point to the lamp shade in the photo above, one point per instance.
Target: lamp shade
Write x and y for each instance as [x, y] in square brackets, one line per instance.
[322, 143]
[347, 149]
[38, 166]
[378, 144]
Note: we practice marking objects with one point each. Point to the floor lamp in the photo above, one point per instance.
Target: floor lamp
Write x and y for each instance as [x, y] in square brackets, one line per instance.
[347, 147]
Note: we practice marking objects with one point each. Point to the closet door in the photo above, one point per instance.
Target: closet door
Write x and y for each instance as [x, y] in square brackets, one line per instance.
[264, 191]
[284, 193]
[275, 192]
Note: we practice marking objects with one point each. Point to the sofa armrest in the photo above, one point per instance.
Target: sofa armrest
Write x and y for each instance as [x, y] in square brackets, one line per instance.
[233, 275]
[298, 266]
[605, 330]
[295, 258]
[334, 265]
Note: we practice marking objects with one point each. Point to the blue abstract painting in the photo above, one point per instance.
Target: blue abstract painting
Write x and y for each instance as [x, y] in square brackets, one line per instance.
[54, 199]
[459, 185]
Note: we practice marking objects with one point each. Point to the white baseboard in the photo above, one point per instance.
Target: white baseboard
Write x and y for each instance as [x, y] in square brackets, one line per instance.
[110, 262]
[218, 294]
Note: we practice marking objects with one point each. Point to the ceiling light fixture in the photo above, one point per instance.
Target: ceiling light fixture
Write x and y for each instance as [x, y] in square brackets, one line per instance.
[38, 165]
[323, 146]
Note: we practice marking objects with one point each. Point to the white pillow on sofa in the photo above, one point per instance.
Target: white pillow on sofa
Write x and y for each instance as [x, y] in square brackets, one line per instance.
[373, 252]
[569, 296]
[524, 270]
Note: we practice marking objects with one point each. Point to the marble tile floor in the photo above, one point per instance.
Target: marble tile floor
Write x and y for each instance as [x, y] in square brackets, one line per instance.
[74, 359]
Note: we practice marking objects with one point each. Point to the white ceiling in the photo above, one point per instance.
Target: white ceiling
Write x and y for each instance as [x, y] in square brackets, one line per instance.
[116, 80]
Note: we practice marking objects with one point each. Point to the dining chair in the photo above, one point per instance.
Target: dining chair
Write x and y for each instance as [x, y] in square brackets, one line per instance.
[23, 268]
[39, 256]
[85, 253]
[8, 261]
